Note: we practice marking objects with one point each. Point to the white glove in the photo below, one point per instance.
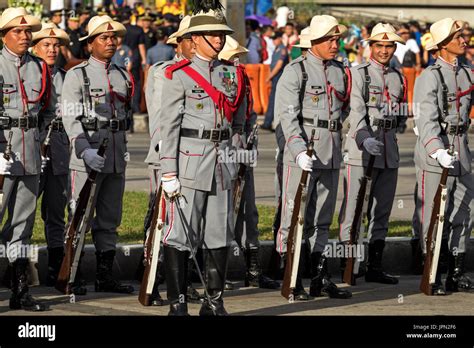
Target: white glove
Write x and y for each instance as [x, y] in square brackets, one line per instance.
[170, 185]
[415, 130]
[444, 158]
[159, 145]
[5, 165]
[126, 156]
[93, 160]
[373, 146]
[305, 162]
[44, 162]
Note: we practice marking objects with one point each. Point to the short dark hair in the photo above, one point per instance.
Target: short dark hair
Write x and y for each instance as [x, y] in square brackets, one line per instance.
[277, 34]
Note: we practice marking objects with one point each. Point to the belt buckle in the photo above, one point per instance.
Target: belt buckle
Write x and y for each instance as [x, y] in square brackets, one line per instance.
[5, 122]
[114, 125]
[215, 135]
[23, 122]
[387, 124]
[333, 126]
[90, 123]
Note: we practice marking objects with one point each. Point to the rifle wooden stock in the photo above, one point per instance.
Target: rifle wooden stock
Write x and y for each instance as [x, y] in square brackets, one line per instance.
[286, 289]
[348, 276]
[437, 217]
[63, 281]
[151, 250]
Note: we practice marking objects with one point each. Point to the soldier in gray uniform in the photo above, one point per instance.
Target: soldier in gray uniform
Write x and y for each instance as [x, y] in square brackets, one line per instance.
[24, 83]
[95, 105]
[199, 127]
[320, 107]
[246, 228]
[54, 177]
[376, 104]
[417, 253]
[443, 99]
[152, 96]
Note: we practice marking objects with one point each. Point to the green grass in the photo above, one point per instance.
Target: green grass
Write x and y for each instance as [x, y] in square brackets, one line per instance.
[135, 206]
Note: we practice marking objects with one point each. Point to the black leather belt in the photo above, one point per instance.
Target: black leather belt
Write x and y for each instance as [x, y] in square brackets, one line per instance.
[7, 122]
[457, 130]
[214, 135]
[330, 125]
[384, 124]
[114, 125]
[57, 125]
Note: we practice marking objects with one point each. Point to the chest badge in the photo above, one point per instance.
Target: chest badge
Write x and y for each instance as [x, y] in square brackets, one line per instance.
[228, 81]
[199, 106]
[315, 98]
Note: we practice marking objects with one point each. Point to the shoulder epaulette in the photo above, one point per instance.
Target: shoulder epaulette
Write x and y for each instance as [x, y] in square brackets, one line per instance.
[176, 66]
[361, 66]
[80, 65]
[297, 60]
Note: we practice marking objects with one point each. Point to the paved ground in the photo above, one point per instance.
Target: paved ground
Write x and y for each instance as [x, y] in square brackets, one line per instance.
[368, 299]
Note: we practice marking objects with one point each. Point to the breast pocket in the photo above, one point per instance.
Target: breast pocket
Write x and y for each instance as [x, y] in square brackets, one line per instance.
[98, 99]
[375, 97]
[314, 98]
[341, 92]
[198, 103]
[10, 96]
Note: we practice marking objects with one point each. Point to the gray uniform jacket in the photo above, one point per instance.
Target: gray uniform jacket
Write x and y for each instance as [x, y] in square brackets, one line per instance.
[319, 103]
[185, 104]
[108, 90]
[25, 143]
[153, 105]
[59, 154]
[386, 92]
[428, 108]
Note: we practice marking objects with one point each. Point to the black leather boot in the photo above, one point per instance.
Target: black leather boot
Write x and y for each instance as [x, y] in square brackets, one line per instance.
[192, 293]
[20, 298]
[55, 259]
[416, 257]
[457, 280]
[321, 283]
[375, 271]
[215, 261]
[104, 280]
[254, 276]
[176, 269]
[7, 277]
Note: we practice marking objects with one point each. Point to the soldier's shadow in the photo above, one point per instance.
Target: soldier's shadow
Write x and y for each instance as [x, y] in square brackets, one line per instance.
[362, 293]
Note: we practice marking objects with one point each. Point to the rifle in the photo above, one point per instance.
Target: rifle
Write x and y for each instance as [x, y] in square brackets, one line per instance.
[294, 239]
[7, 155]
[240, 181]
[152, 249]
[352, 265]
[47, 143]
[77, 228]
[433, 247]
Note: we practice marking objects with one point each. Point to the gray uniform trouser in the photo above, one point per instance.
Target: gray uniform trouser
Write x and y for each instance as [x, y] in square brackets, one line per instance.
[54, 189]
[246, 227]
[459, 207]
[155, 178]
[108, 206]
[20, 192]
[208, 219]
[382, 193]
[416, 220]
[321, 202]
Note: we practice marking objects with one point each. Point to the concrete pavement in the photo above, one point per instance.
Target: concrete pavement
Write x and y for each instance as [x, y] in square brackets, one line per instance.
[368, 299]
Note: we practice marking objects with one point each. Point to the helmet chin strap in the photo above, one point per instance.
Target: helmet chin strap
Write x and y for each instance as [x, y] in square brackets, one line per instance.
[204, 37]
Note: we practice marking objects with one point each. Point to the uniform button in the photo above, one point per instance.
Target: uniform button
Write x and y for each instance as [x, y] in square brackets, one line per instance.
[211, 69]
[187, 151]
[218, 125]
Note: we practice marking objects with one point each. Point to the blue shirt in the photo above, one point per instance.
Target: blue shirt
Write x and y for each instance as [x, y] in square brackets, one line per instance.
[122, 57]
[280, 53]
[254, 46]
[159, 53]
